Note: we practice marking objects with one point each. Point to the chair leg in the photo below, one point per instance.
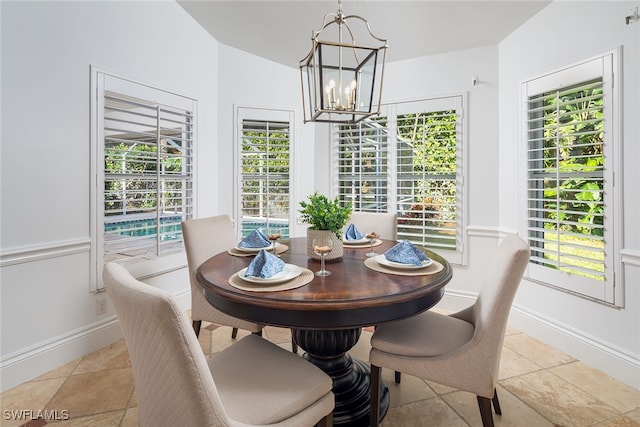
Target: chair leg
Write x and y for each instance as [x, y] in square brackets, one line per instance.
[196, 327]
[397, 377]
[374, 390]
[234, 333]
[294, 344]
[496, 402]
[484, 404]
[327, 421]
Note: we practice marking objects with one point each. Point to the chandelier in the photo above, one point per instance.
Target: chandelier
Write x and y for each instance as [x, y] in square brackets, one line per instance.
[342, 80]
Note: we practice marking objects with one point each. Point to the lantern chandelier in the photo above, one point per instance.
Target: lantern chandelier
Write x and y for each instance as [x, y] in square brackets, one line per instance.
[342, 81]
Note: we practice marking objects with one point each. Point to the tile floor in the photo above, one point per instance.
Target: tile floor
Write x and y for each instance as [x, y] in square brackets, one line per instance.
[539, 386]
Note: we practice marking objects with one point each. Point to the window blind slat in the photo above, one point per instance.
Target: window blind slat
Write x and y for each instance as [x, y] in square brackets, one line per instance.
[147, 181]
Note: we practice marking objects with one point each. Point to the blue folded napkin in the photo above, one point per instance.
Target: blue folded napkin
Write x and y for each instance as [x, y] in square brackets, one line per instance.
[264, 265]
[352, 233]
[406, 253]
[255, 239]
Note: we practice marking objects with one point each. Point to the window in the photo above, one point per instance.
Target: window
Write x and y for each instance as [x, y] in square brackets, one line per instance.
[144, 159]
[409, 161]
[265, 163]
[570, 187]
[362, 165]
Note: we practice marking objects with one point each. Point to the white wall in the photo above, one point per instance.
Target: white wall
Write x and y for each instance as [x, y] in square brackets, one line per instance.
[48, 315]
[448, 74]
[47, 312]
[249, 81]
[561, 34]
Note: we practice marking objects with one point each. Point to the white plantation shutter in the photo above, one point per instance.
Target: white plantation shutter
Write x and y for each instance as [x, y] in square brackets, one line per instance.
[142, 172]
[265, 178]
[409, 161]
[148, 190]
[570, 179]
[362, 159]
[429, 174]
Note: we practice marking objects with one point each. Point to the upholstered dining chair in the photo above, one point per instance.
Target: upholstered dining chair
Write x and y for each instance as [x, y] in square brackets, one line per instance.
[204, 238]
[251, 383]
[461, 350]
[385, 222]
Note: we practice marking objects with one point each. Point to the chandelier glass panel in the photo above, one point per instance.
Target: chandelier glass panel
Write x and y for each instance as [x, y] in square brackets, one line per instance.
[342, 80]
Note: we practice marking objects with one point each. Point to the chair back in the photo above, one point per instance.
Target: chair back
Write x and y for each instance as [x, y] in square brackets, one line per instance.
[173, 383]
[204, 238]
[385, 222]
[491, 309]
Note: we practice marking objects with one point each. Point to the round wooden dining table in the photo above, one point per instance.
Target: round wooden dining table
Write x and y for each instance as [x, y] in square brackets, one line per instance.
[327, 314]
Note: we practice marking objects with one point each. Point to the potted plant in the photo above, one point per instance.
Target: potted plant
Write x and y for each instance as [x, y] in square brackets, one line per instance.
[326, 217]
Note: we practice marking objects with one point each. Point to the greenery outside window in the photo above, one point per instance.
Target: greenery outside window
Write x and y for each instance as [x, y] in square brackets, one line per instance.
[265, 167]
[409, 161]
[570, 187]
[144, 161]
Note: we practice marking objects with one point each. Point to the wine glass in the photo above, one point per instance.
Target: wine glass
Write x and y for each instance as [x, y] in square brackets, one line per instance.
[321, 247]
[273, 234]
[372, 234]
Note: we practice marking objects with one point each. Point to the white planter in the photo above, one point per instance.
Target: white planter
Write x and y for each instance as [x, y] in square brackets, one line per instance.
[336, 248]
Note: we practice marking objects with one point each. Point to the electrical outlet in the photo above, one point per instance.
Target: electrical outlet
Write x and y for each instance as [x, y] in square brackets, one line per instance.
[101, 305]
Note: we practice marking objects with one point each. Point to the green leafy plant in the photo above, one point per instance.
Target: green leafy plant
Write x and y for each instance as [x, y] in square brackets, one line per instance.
[325, 214]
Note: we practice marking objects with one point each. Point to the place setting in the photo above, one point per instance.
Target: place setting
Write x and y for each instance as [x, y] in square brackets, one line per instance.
[257, 241]
[269, 273]
[354, 238]
[403, 259]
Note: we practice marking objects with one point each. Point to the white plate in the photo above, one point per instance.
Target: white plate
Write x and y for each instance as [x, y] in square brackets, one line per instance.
[289, 271]
[381, 259]
[355, 242]
[255, 249]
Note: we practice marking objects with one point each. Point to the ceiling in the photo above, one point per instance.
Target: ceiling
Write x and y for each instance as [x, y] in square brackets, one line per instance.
[281, 30]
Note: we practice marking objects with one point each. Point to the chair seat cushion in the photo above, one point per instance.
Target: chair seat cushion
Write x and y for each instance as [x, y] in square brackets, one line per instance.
[261, 383]
[428, 334]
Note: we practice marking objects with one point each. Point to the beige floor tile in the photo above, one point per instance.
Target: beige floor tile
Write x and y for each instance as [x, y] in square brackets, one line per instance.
[620, 421]
[362, 347]
[536, 351]
[61, 372]
[511, 331]
[204, 338]
[542, 387]
[440, 389]
[558, 400]
[30, 396]
[277, 335]
[94, 392]
[130, 418]
[221, 338]
[133, 400]
[110, 357]
[513, 364]
[107, 419]
[515, 413]
[410, 389]
[634, 415]
[613, 392]
[428, 412]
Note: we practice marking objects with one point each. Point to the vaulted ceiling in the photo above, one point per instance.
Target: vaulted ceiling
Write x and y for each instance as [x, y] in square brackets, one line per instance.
[281, 30]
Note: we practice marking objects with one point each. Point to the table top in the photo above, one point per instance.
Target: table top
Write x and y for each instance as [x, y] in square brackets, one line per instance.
[352, 296]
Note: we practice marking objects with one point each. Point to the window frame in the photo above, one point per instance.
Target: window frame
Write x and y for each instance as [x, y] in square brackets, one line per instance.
[605, 66]
[258, 114]
[424, 105]
[150, 264]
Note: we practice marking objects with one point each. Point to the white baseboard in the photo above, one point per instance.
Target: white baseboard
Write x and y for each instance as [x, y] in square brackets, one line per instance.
[40, 359]
[614, 361]
[601, 355]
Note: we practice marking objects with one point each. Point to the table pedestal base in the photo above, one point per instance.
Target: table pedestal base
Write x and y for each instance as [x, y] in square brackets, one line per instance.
[327, 349]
